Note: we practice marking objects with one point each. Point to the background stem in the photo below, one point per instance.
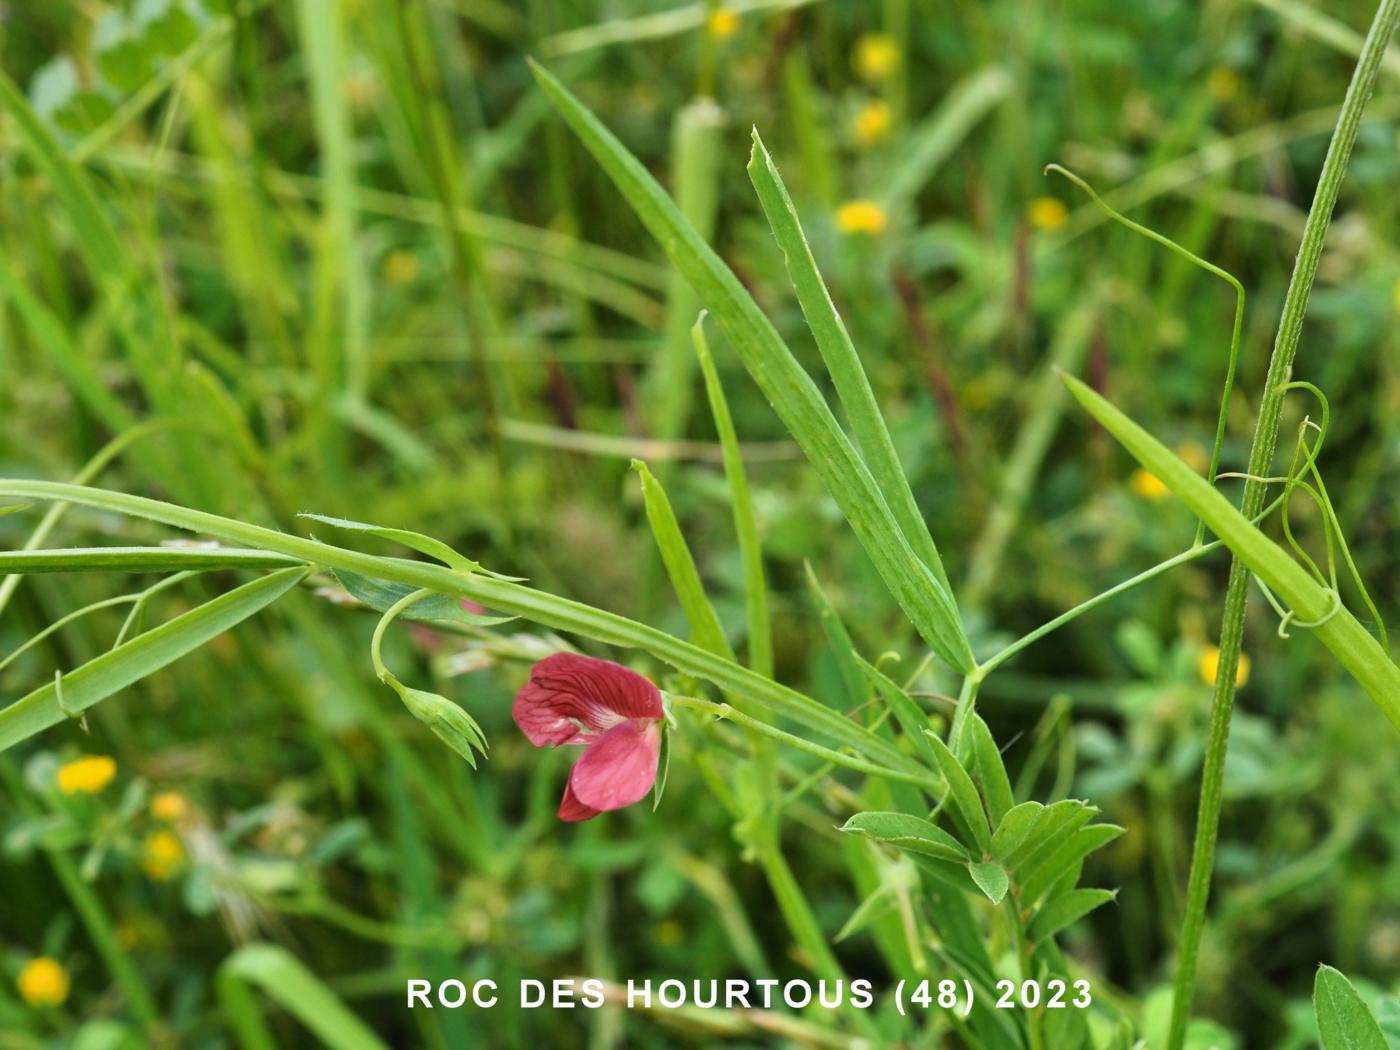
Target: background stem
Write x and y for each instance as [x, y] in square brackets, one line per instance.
[1261, 455]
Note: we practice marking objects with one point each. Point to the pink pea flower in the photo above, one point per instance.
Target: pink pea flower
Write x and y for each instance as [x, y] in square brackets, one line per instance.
[614, 713]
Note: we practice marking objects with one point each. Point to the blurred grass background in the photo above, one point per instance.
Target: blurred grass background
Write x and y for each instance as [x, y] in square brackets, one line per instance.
[339, 257]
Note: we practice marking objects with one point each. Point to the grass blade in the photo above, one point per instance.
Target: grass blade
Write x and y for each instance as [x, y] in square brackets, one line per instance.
[282, 978]
[145, 654]
[839, 353]
[705, 629]
[745, 525]
[787, 386]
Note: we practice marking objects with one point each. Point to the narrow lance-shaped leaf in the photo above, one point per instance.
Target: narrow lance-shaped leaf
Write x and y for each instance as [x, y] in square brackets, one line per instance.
[433, 548]
[847, 660]
[145, 654]
[839, 354]
[1335, 626]
[787, 386]
[279, 976]
[908, 832]
[1070, 852]
[991, 772]
[745, 524]
[964, 792]
[705, 629]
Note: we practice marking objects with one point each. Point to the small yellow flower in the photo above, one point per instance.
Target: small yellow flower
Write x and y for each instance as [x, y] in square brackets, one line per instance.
[873, 123]
[877, 56]
[400, 267]
[169, 806]
[1223, 84]
[865, 217]
[1210, 663]
[43, 982]
[162, 856]
[1148, 485]
[1047, 213]
[1194, 455]
[722, 23]
[87, 775]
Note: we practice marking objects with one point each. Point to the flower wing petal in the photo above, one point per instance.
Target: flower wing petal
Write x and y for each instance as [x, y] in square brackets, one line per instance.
[566, 691]
[572, 810]
[619, 768]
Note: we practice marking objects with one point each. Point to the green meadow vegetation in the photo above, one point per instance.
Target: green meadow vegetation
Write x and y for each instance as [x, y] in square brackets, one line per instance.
[977, 424]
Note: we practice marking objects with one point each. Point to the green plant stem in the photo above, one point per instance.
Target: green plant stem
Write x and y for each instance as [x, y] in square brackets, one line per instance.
[1260, 457]
[1012, 906]
[537, 606]
[797, 743]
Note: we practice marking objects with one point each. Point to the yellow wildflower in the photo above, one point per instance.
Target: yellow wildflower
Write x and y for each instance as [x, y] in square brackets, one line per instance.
[1223, 84]
[169, 806]
[1047, 213]
[865, 217]
[873, 123]
[87, 775]
[162, 856]
[722, 23]
[1210, 663]
[43, 982]
[877, 56]
[400, 267]
[1148, 485]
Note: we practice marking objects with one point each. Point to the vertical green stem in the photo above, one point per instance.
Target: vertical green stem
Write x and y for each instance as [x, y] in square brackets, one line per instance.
[1261, 455]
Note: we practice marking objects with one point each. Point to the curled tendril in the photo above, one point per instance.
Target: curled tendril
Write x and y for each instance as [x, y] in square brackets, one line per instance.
[1209, 267]
[1301, 468]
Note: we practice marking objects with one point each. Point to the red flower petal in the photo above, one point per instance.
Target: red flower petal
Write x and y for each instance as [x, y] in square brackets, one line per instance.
[572, 810]
[567, 688]
[619, 768]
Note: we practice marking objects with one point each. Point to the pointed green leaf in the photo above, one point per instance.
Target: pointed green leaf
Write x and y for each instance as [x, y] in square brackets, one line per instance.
[1343, 1021]
[787, 386]
[912, 719]
[991, 772]
[1336, 628]
[847, 659]
[284, 980]
[143, 655]
[1068, 853]
[907, 832]
[991, 879]
[705, 629]
[1013, 828]
[875, 906]
[964, 792]
[839, 354]
[1059, 819]
[745, 524]
[413, 541]
[1059, 912]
